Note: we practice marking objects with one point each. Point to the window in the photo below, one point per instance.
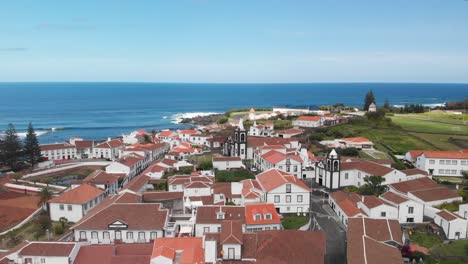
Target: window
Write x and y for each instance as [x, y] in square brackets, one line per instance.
[442, 162]
[441, 171]
[346, 176]
[410, 220]
[299, 198]
[454, 171]
[383, 214]
[257, 217]
[206, 230]
[464, 162]
[153, 235]
[268, 216]
[431, 161]
[219, 229]
[277, 198]
[410, 210]
[174, 187]
[288, 208]
[118, 235]
[288, 198]
[288, 188]
[106, 235]
[359, 175]
[94, 235]
[85, 206]
[141, 236]
[69, 207]
[220, 215]
[454, 162]
[42, 260]
[62, 207]
[82, 235]
[130, 235]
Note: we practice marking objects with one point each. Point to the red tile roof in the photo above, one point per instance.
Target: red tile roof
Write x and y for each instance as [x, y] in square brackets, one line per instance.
[274, 178]
[356, 139]
[47, 249]
[410, 172]
[137, 183]
[261, 208]
[162, 196]
[414, 185]
[461, 154]
[114, 143]
[130, 160]
[309, 118]
[367, 167]
[83, 144]
[56, 146]
[227, 159]
[141, 216]
[372, 201]
[435, 194]
[189, 132]
[366, 241]
[449, 216]
[263, 141]
[101, 177]
[231, 232]
[275, 157]
[190, 249]
[394, 198]
[291, 131]
[79, 195]
[134, 253]
[208, 214]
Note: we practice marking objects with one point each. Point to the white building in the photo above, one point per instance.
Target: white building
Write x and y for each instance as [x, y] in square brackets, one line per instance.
[108, 149]
[377, 208]
[43, 252]
[185, 134]
[123, 222]
[58, 151]
[356, 142]
[191, 185]
[334, 173]
[308, 121]
[372, 108]
[136, 137]
[75, 203]
[345, 205]
[262, 217]
[289, 194]
[200, 139]
[409, 211]
[209, 218]
[454, 226]
[463, 210]
[130, 165]
[265, 130]
[84, 148]
[443, 163]
[227, 163]
[101, 179]
[425, 191]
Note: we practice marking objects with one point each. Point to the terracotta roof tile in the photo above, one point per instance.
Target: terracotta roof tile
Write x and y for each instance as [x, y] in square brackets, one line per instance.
[273, 178]
[309, 118]
[261, 208]
[47, 249]
[79, 195]
[208, 214]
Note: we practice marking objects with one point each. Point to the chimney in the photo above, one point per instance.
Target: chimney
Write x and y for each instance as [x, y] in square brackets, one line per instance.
[108, 139]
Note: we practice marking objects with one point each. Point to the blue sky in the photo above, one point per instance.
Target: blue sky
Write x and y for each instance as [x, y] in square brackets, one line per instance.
[234, 41]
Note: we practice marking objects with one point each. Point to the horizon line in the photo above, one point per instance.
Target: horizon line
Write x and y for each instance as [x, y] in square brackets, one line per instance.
[170, 82]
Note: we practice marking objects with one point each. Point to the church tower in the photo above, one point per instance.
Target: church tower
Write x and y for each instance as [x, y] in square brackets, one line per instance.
[240, 141]
[327, 173]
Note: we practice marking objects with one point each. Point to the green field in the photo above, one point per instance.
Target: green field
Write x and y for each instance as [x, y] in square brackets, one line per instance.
[439, 116]
[454, 248]
[412, 123]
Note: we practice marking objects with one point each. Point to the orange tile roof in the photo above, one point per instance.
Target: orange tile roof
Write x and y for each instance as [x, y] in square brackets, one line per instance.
[189, 131]
[356, 139]
[261, 208]
[461, 154]
[275, 157]
[79, 195]
[449, 216]
[190, 248]
[309, 118]
[56, 146]
[395, 198]
[47, 249]
[115, 143]
[273, 178]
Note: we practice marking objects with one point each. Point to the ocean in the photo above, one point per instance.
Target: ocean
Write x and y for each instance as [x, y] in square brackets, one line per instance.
[100, 110]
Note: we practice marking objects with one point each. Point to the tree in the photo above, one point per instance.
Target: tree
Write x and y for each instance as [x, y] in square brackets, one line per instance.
[153, 134]
[147, 139]
[369, 100]
[45, 196]
[373, 186]
[11, 147]
[63, 221]
[31, 146]
[16, 176]
[386, 104]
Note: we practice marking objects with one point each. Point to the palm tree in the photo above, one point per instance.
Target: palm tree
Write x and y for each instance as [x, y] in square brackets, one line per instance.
[45, 196]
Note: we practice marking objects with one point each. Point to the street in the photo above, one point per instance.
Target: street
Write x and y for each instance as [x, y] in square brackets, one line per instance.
[336, 234]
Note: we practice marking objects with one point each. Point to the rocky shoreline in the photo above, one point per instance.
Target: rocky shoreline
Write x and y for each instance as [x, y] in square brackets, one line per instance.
[202, 120]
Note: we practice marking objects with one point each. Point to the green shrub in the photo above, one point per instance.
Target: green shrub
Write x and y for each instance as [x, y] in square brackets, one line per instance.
[233, 175]
[58, 229]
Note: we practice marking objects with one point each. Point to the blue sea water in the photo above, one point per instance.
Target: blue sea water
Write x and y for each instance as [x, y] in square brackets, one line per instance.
[101, 110]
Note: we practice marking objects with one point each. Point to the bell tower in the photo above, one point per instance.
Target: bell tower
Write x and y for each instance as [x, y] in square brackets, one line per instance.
[332, 170]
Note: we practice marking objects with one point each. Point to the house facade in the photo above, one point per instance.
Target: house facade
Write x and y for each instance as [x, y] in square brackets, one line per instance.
[443, 163]
[108, 149]
[308, 121]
